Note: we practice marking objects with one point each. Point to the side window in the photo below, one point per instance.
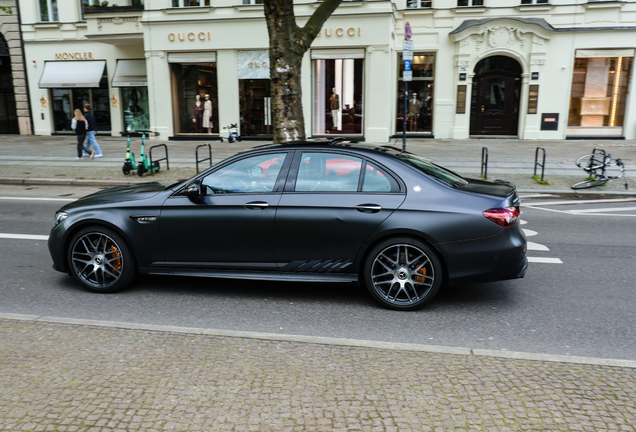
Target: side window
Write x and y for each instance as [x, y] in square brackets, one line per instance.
[250, 175]
[375, 179]
[328, 172]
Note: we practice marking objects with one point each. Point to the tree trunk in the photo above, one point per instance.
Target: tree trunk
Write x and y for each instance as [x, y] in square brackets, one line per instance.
[287, 45]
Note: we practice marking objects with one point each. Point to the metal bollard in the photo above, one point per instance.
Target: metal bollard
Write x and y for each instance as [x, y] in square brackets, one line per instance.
[484, 162]
[536, 162]
[203, 160]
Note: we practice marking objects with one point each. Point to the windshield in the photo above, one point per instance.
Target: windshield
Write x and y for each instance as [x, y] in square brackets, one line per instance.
[428, 167]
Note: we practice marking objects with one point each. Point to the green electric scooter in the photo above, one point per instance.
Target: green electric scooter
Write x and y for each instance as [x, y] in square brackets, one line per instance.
[129, 162]
[144, 161]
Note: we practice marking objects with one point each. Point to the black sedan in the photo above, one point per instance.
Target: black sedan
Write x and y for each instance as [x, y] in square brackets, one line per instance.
[308, 212]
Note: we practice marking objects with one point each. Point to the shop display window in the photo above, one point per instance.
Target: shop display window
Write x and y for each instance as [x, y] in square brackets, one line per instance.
[135, 106]
[419, 106]
[338, 103]
[67, 100]
[599, 91]
[195, 98]
[255, 106]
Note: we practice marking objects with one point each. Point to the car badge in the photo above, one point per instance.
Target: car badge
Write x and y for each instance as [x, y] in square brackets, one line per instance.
[417, 188]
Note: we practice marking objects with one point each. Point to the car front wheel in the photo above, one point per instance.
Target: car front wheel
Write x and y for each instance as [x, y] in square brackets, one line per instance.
[403, 274]
[101, 260]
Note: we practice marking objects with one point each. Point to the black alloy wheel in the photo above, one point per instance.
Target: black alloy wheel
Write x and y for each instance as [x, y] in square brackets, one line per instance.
[101, 260]
[403, 274]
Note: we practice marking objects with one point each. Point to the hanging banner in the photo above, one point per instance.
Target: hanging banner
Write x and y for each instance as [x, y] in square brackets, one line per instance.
[253, 64]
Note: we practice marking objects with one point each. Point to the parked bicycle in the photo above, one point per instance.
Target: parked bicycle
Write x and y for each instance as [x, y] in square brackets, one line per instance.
[595, 165]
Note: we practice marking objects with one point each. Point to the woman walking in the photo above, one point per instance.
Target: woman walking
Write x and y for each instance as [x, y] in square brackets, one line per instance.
[79, 125]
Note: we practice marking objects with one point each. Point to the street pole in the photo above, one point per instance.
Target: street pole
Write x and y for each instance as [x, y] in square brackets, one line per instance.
[406, 103]
[407, 75]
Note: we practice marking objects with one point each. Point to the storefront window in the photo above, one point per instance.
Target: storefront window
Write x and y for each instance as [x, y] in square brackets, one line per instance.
[67, 100]
[135, 106]
[195, 98]
[256, 111]
[419, 107]
[599, 89]
[338, 102]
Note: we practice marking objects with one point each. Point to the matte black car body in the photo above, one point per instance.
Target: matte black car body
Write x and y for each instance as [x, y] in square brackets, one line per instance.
[285, 232]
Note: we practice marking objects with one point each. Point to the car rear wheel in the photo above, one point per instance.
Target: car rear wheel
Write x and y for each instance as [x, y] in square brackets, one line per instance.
[403, 274]
[101, 260]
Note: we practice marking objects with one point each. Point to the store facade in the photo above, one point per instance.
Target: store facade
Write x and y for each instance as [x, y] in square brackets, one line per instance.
[186, 74]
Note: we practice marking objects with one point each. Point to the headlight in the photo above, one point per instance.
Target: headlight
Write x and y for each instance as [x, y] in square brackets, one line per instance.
[59, 217]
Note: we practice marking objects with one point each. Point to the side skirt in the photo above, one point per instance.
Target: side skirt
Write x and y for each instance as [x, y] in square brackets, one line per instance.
[247, 275]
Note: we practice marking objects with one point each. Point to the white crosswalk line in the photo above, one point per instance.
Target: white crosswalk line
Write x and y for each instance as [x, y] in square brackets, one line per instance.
[537, 247]
[544, 260]
[24, 236]
[529, 233]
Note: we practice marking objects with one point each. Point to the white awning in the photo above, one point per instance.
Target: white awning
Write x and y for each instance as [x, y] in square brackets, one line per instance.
[130, 73]
[58, 74]
[192, 57]
[595, 53]
[325, 54]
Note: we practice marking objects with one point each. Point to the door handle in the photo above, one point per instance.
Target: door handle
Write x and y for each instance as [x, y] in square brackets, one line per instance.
[256, 205]
[368, 208]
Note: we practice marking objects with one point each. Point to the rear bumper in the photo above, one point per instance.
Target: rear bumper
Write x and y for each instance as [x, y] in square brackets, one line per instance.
[487, 260]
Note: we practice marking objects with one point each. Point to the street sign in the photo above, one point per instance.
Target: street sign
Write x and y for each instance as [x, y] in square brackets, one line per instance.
[407, 31]
[407, 45]
[407, 76]
[407, 55]
[407, 65]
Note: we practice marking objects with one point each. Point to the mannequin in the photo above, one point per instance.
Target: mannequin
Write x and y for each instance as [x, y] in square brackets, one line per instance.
[207, 113]
[414, 111]
[198, 115]
[334, 104]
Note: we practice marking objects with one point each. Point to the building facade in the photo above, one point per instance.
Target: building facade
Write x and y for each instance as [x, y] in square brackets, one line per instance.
[15, 113]
[186, 69]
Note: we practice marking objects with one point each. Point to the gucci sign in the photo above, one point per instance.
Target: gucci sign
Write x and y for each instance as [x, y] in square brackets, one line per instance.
[340, 32]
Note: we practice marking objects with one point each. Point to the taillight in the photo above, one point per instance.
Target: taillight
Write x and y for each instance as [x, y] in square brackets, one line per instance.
[505, 216]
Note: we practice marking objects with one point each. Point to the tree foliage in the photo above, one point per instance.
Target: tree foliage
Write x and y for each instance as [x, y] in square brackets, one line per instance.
[287, 45]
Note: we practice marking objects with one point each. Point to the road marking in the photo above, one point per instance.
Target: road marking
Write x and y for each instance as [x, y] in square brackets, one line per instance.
[545, 260]
[601, 210]
[37, 199]
[572, 202]
[24, 236]
[529, 233]
[537, 247]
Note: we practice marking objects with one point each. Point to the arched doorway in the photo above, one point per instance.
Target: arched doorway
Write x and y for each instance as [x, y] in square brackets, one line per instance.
[8, 113]
[495, 97]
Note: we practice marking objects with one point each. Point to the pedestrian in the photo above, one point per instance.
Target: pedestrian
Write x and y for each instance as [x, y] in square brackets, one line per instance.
[79, 125]
[91, 130]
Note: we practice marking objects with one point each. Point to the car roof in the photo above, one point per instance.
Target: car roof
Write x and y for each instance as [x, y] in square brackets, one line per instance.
[340, 143]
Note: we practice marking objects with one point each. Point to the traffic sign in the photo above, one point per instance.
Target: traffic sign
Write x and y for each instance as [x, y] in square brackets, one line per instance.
[408, 33]
[407, 65]
[407, 45]
[407, 55]
[407, 76]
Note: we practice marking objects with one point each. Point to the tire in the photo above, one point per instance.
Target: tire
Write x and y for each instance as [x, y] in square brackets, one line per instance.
[403, 274]
[125, 169]
[155, 167]
[141, 169]
[230, 140]
[100, 260]
[587, 184]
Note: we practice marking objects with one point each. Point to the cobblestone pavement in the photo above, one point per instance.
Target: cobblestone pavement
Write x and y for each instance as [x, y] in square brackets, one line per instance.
[58, 377]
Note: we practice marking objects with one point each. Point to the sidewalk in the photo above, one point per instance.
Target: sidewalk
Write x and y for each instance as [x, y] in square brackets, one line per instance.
[66, 376]
[51, 160]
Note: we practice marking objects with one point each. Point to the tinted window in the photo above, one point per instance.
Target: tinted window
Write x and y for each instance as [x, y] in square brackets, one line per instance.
[253, 174]
[375, 180]
[328, 172]
[428, 167]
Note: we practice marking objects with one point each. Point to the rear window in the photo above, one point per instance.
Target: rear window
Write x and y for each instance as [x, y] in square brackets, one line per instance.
[427, 167]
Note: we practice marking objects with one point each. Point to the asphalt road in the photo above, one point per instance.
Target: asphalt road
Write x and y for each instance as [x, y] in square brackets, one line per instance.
[579, 301]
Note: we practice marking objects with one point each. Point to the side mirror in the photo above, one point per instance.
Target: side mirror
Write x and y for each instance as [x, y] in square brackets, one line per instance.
[193, 189]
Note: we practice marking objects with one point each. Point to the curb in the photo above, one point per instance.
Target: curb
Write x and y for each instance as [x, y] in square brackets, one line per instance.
[436, 349]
